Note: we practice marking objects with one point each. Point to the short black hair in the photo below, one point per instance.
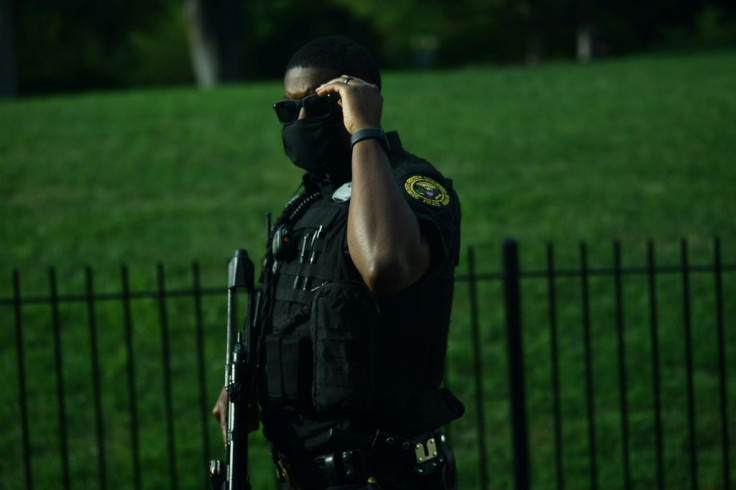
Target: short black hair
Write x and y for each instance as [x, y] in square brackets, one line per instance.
[338, 53]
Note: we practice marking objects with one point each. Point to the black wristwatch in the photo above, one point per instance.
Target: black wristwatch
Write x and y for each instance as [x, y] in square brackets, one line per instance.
[369, 133]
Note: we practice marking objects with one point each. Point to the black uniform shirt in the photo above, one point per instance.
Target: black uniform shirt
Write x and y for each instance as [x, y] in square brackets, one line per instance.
[414, 323]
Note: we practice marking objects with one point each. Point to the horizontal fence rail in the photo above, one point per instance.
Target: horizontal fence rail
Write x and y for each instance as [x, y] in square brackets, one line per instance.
[113, 389]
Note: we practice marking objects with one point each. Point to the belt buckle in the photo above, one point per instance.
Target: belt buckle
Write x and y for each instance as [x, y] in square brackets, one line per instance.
[427, 452]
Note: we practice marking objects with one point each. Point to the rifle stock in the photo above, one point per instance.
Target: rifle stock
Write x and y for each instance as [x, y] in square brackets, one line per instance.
[242, 417]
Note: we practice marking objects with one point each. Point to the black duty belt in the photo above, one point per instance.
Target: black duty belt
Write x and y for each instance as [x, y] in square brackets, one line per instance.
[422, 455]
[338, 468]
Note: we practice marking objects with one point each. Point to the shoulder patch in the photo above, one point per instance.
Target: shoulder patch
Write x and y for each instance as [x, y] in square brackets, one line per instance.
[427, 190]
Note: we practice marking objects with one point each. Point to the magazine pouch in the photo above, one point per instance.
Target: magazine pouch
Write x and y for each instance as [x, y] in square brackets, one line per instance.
[344, 323]
[288, 368]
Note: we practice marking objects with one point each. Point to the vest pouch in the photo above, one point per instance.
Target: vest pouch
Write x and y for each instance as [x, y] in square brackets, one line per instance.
[344, 325]
[288, 370]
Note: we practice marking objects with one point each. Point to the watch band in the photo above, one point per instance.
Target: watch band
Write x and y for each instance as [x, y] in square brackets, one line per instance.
[369, 133]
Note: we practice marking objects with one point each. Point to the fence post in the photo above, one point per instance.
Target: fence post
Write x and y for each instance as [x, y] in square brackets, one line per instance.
[132, 393]
[96, 382]
[512, 304]
[555, 357]
[167, 377]
[717, 271]
[22, 380]
[689, 366]
[588, 349]
[621, 345]
[199, 326]
[60, 391]
[477, 369]
[654, 335]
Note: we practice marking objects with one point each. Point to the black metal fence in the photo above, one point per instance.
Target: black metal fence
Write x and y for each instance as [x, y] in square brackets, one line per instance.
[615, 377]
[719, 433]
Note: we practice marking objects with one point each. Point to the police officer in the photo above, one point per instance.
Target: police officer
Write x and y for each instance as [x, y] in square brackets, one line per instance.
[358, 284]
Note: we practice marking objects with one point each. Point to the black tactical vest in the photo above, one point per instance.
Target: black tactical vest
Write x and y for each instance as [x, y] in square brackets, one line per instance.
[332, 350]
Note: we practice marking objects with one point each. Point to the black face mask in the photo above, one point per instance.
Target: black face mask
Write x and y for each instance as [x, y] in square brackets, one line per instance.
[316, 146]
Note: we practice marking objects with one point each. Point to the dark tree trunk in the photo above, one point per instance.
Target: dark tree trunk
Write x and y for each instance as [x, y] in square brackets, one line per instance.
[215, 40]
[8, 71]
[586, 17]
[226, 18]
[536, 35]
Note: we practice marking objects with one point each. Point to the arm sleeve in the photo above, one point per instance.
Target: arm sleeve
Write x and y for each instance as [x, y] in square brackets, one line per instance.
[436, 206]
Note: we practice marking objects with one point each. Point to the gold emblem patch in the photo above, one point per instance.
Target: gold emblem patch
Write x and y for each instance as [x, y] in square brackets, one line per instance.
[427, 190]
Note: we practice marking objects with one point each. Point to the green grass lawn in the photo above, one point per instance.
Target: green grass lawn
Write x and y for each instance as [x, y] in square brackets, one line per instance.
[628, 149]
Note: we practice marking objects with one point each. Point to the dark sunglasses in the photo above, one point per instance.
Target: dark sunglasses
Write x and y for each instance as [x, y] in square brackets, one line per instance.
[287, 110]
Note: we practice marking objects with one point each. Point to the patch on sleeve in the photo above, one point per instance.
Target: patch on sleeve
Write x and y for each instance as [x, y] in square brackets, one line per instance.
[427, 190]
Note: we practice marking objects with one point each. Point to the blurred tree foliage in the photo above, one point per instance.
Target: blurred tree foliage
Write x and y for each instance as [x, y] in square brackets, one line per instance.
[276, 28]
[63, 45]
[79, 44]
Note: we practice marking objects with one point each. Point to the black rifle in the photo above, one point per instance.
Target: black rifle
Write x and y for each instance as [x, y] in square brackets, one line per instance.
[242, 416]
